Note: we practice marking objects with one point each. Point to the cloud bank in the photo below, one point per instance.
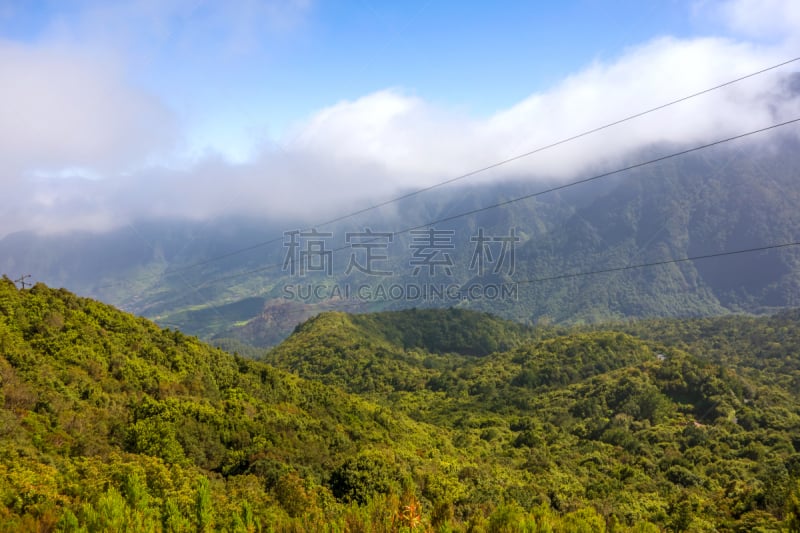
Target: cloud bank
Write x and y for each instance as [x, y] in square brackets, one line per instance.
[81, 148]
[61, 109]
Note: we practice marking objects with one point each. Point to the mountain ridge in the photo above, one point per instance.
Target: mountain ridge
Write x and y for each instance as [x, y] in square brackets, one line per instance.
[729, 198]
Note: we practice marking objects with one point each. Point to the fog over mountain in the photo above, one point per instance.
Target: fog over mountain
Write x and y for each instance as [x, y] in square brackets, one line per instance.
[104, 150]
[230, 278]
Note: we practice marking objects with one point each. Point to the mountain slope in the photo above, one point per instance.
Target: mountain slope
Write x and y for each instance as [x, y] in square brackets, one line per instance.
[401, 347]
[109, 423]
[594, 412]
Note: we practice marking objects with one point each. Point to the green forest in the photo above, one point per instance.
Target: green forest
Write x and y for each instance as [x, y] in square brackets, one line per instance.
[418, 420]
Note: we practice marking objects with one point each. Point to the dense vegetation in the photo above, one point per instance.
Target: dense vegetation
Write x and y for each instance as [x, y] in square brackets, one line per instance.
[694, 415]
[418, 420]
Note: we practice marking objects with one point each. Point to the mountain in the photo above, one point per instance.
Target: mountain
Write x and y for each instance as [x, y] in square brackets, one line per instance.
[643, 407]
[690, 207]
[110, 423]
[232, 279]
[397, 350]
[418, 420]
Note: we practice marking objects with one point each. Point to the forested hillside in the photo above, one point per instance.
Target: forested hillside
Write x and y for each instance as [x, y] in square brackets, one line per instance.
[418, 420]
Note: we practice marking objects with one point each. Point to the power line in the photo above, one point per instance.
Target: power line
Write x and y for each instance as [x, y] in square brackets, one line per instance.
[488, 167]
[599, 176]
[538, 193]
[356, 303]
[659, 263]
[226, 255]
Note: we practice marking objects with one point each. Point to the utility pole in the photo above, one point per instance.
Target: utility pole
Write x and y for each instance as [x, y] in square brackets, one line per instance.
[22, 281]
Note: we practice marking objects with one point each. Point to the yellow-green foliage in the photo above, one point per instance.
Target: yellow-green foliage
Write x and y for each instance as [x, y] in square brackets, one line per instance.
[468, 423]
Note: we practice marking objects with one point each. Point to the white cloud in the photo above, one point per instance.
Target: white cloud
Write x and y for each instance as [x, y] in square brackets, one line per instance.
[414, 144]
[61, 108]
[357, 151]
[765, 19]
[645, 77]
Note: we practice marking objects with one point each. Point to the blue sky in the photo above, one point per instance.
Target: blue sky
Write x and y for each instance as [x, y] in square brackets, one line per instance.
[113, 111]
[230, 79]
